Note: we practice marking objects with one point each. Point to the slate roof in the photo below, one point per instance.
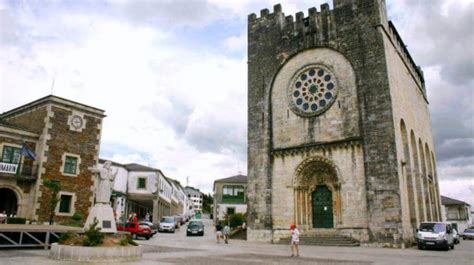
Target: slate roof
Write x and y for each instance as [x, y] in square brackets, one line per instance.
[233, 179]
[450, 201]
[138, 167]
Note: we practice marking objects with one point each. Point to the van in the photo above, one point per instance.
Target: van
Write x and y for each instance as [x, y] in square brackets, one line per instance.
[435, 235]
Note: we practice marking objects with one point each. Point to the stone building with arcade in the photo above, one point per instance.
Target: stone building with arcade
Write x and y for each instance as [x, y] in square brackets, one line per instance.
[65, 137]
[339, 133]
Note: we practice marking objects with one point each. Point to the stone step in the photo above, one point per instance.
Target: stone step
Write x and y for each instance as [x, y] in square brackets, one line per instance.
[333, 244]
[319, 240]
[323, 236]
[326, 239]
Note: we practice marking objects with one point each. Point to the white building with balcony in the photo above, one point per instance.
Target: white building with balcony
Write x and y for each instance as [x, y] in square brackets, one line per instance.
[196, 198]
[145, 191]
[457, 212]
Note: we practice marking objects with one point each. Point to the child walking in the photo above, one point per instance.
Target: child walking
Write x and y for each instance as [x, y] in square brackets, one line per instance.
[295, 240]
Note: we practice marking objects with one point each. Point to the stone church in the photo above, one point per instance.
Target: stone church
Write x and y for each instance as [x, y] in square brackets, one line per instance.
[339, 127]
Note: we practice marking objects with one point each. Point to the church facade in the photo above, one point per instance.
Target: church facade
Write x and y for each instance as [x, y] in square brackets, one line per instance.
[339, 129]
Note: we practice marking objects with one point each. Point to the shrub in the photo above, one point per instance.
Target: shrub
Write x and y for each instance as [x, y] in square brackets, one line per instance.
[236, 219]
[65, 236]
[16, 220]
[93, 236]
[128, 240]
[77, 217]
[71, 223]
[76, 220]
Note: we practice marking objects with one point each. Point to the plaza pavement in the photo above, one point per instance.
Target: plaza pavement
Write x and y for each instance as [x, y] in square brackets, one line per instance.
[168, 248]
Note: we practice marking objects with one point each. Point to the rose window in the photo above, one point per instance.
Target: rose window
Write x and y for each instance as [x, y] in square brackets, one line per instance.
[313, 90]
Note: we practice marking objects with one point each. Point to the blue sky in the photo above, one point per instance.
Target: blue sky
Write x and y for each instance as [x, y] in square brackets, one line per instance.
[172, 76]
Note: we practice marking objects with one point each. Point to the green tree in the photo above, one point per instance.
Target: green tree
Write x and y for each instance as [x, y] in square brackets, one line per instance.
[54, 186]
[207, 202]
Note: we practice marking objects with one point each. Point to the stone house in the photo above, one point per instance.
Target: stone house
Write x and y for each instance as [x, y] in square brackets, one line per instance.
[457, 212]
[339, 132]
[230, 196]
[65, 137]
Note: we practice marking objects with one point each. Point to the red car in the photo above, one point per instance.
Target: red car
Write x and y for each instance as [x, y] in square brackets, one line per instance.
[136, 230]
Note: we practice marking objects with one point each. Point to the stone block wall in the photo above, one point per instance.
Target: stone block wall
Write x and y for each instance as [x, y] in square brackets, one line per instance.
[62, 140]
[339, 122]
[412, 122]
[32, 119]
[50, 118]
[350, 168]
[355, 29]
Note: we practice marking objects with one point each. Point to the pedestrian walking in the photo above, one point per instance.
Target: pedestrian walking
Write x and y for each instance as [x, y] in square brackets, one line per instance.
[226, 234]
[295, 240]
[218, 232]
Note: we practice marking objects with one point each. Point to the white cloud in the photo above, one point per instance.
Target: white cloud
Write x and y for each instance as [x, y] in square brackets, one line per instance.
[458, 189]
[236, 43]
[174, 106]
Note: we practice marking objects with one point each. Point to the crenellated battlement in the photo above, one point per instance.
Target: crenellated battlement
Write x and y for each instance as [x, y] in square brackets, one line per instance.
[321, 28]
[321, 23]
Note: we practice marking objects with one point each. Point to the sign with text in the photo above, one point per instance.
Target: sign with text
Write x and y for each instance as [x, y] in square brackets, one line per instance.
[8, 168]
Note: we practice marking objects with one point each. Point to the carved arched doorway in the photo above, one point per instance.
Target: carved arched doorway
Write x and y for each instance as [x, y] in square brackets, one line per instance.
[8, 201]
[317, 193]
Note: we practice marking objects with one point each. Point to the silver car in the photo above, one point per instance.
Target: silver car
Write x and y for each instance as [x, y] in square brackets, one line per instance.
[167, 223]
[468, 234]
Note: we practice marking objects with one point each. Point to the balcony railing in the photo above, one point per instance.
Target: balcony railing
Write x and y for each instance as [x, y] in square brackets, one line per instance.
[19, 170]
[233, 199]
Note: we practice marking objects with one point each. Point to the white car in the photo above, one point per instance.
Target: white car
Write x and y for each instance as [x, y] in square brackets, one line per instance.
[167, 223]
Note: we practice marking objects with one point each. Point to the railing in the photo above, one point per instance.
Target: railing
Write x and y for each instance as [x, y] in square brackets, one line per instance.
[16, 236]
[232, 199]
[21, 170]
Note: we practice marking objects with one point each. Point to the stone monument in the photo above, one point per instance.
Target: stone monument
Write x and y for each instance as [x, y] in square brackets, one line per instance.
[102, 209]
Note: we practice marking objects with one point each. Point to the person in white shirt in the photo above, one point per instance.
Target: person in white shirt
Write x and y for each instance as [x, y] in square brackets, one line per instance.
[226, 234]
[295, 240]
[3, 217]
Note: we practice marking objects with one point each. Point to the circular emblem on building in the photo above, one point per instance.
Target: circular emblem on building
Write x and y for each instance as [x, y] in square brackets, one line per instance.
[312, 90]
[76, 121]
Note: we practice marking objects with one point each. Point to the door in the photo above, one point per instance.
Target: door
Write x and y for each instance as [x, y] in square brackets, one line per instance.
[322, 207]
[8, 201]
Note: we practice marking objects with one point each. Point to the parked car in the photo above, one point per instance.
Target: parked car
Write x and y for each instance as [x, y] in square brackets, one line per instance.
[456, 236]
[435, 235]
[136, 230]
[178, 220]
[468, 234]
[182, 219]
[195, 228]
[152, 226]
[167, 223]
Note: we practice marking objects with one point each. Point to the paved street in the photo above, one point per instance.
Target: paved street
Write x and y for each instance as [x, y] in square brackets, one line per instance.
[168, 248]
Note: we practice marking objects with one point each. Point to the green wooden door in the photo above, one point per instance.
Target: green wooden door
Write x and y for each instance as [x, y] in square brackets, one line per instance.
[322, 207]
